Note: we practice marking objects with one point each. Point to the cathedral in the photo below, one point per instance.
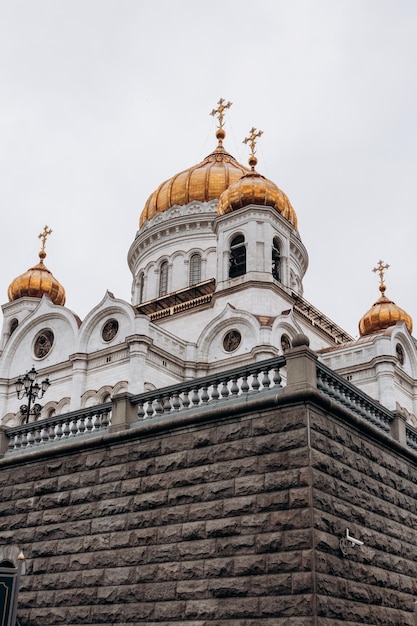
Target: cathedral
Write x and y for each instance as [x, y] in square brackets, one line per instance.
[217, 281]
[216, 452]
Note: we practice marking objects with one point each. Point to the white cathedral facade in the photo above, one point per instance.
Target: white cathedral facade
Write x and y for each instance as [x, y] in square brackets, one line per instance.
[217, 281]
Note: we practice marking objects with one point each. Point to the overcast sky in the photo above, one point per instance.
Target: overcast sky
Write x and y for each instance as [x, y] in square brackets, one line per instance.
[102, 100]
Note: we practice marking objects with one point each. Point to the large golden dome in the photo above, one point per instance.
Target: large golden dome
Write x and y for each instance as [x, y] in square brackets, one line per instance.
[202, 182]
[37, 281]
[384, 312]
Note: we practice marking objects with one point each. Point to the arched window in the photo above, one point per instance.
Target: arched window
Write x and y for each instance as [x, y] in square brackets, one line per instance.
[163, 278]
[141, 286]
[237, 260]
[195, 269]
[276, 260]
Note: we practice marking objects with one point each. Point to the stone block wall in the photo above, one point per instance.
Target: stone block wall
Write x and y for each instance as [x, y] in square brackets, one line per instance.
[207, 525]
[371, 489]
[232, 522]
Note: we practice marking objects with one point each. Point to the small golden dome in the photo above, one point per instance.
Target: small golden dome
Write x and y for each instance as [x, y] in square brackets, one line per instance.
[202, 182]
[384, 312]
[253, 188]
[37, 281]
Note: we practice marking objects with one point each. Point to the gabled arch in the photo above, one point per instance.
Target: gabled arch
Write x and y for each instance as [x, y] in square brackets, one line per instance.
[210, 340]
[63, 323]
[284, 325]
[400, 334]
[109, 307]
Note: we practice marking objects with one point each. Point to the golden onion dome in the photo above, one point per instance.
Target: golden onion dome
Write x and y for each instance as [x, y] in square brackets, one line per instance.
[253, 188]
[202, 182]
[38, 280]
[384, 312]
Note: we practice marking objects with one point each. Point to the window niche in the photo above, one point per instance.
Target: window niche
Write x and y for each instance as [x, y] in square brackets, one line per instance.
[141, 287]
[163, 278]
[276, 259]
[195, 269]
[237, 258]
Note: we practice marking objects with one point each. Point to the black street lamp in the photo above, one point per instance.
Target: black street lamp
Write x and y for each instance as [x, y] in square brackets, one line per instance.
[27, 385]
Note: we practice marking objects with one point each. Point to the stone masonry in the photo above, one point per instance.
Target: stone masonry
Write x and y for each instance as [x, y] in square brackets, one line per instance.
[231, 520]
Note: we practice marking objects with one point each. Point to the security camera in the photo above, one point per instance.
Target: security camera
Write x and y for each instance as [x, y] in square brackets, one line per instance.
[353, 541]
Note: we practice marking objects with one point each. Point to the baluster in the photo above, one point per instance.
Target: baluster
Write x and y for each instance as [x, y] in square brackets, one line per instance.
[89, 422]
[320, 385]
[234, 389]
[59, 430]
[74, 428]
[12, 442]
[149, 409]
[51, 432]
[265, 380]
[185, 399]
[44, 435]
[224, 392]
[244, 387]
[255, 382]
[277, 377]
[105, 420]
[38, 437]
[354, 403]
[97, 421]
[30, 438]
[66, 430]
[176, 404]
[195, 398]
[215, 391]
[158, 406]
[204, 395]
[141, 412]
[24, 440]
[81, 425]
[328, 386]
[166, 403]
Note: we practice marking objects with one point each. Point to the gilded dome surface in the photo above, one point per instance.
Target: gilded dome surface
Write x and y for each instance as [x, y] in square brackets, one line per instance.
[202, 182]
[253, 188]
[384, 312]
[35, 283]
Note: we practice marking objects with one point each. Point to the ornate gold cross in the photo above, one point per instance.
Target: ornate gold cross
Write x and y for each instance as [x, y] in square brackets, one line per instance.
[253, 136]
[380, 269]
[220, 111]
[43, 235]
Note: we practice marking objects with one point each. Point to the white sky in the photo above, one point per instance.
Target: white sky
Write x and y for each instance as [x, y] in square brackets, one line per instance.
[102, 100]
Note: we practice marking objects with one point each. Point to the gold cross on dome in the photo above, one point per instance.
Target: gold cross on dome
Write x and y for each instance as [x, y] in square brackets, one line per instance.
[220, 111]
[253, 136]
[380, 269]
[43, 235]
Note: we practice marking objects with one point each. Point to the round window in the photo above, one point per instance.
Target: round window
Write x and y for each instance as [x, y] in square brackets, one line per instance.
[285, 343]
[110, 329]
[231, 340]
[43, 343]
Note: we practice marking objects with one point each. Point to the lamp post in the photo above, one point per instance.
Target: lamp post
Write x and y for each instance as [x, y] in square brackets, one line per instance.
[28, 386]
